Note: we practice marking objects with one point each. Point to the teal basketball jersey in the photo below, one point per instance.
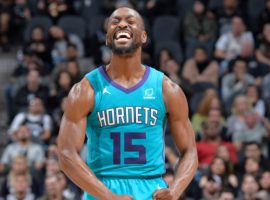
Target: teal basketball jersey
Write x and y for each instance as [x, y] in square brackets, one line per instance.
[125, 127]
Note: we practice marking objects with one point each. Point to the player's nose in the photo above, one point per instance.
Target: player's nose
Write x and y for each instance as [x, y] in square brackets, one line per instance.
[123, 24]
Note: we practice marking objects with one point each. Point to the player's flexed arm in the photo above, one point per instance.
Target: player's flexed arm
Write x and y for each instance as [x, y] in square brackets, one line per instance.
[71, 138]
[184, 139]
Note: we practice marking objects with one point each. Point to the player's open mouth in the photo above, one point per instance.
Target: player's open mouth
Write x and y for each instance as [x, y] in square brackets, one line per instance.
[122, 36]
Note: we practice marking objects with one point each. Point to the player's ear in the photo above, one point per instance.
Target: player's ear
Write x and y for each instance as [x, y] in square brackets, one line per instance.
[144, 37]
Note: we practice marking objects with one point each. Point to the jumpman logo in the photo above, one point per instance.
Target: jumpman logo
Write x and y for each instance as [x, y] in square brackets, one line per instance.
[105, 91]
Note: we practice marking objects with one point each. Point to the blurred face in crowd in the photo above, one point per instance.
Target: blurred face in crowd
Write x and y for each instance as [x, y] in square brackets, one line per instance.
[33, 79]
[251, 119]
[253, 151]
[19, 165]
[172, 67]
[266, 32]
[265, 180]
[62, 180]
[125, 32]
[52, 166]
[37, 34]
[226, 196]
[73, 68]
[218, 166]
[53, 188]
[222, 152]
[211, 130]
[214, 115]
[198, 7]
[247, 49]
[251, 166]
[64, 80]
[72, 52]
[36, 106]
[52, 150]
[252, 94]
[212, 187]
[164, 57]
[240, 105]
[21, 186]
[200, 55]
[23, 134]
[238, 26]
[56, 32]
[240, 69]
[249, 185]
[230, 3]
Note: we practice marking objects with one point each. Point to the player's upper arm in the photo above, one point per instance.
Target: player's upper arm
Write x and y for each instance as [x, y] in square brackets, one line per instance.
[177, 112]
[80, 101]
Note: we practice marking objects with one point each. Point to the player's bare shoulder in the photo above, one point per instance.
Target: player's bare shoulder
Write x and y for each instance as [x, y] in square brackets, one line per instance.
[173, 94]
[80, 99]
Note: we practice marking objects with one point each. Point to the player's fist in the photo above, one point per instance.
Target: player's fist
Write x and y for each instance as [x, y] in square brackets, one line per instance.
[123, 197]
[163, 194]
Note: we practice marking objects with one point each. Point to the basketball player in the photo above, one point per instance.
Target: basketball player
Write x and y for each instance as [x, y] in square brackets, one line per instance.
[122, 108]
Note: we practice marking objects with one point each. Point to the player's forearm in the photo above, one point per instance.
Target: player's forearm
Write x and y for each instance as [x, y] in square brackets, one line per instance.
[79, 172]
[185, 171]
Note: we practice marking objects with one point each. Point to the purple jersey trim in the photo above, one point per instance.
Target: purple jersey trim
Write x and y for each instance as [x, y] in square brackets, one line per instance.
[126, 90]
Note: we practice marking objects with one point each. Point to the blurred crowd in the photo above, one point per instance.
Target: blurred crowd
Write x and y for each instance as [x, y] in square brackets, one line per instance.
[218, 51]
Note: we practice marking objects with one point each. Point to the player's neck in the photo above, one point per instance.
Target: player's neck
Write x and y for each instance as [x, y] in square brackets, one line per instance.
[126, 65]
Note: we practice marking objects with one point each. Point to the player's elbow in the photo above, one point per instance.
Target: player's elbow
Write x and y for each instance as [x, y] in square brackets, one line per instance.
[66, 158]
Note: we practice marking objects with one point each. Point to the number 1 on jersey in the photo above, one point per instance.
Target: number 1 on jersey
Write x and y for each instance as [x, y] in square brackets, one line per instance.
[128, 147]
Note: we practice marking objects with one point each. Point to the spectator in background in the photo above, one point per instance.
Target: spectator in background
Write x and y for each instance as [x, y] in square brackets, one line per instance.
[252, 167]
[172, 70]
[59, 42]
[52, 166]
[225, 14]
[63, 83]
[163, 57]
[5, 17]
[229, 44]
[200, 29]
[74, 71]
[253, 150]
[226, 194]
[212, 188]
[58, 8]
[21, 187]
[33, 88]
[211, 141]
[255, 130]
[236, 83]
[200, 69]
[53, 189]
[236, 121]
[221, 170]
[209, 101]
[19, 167]
[21, 14]
[38, 122]
[253, 95]
[39, 46]
[264, 182]
[249, 187]
[265, 15]
[263, 51]
[254, 67]
[24, 146]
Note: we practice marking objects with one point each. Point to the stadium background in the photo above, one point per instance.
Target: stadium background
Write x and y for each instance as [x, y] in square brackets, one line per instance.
[216, 50]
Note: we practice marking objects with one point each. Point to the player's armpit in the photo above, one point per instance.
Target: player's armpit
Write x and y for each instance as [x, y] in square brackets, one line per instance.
[183, 135]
